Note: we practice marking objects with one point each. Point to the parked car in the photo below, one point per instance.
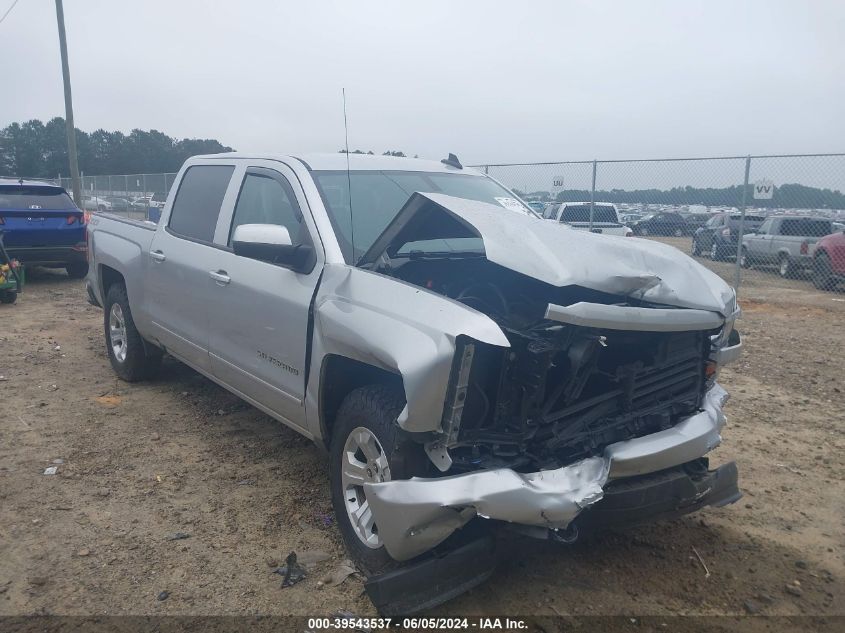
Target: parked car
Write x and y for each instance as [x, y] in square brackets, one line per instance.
[829, 261]
[461, 360]
[157, 200]
[719, 238]
[96, 203]
[661, 223]
[42, 226]
[118, 204]
[786, 241]
[630, 218]
[577, 215]
[539, 207]
[696, 220]
[140, 203]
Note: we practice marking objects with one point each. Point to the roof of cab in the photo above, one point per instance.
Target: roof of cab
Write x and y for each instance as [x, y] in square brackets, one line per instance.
[357, 162]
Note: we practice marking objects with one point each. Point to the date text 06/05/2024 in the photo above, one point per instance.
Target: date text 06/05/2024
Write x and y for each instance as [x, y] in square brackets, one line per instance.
[419, 623]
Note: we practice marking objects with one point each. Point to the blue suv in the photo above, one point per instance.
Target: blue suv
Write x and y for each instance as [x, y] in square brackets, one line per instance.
[42, 226]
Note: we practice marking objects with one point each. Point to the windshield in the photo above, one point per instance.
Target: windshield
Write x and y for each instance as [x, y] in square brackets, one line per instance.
[377, 196]
[48, 198]
[581, 213]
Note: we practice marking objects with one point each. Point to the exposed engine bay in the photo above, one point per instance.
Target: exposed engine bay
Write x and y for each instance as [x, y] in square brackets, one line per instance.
[561, 392]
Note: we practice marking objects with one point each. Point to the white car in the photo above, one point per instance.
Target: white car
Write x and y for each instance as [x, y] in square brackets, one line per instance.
[96, 203]
[577, 215]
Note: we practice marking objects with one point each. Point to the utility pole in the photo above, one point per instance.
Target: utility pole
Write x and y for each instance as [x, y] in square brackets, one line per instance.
[71, 131]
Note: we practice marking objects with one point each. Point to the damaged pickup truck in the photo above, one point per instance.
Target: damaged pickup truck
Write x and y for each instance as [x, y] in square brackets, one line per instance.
[463, 361]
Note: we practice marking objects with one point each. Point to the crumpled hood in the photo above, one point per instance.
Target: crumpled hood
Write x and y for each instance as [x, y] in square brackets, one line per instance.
[560, 256]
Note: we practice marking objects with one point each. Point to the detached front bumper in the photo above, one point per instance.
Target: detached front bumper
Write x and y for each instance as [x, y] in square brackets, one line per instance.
[417, 514]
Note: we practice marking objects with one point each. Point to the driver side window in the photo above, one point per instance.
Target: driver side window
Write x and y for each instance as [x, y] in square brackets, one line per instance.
[265, 199]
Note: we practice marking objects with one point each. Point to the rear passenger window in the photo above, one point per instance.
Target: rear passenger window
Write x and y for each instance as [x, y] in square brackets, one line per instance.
[268, 200]
[198, 201]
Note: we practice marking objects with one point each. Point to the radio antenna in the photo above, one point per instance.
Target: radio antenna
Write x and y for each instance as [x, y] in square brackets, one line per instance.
[348, 179]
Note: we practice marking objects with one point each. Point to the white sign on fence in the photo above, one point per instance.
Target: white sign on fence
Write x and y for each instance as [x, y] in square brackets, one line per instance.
[764, 189]
[557, 184]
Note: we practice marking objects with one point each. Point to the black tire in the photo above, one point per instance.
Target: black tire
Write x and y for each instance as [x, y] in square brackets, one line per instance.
[678, 232]
[823, 278]
[786, 268]
[715, 252]
[141, 360]
[8, 296]
[696, 248]
[744, 258]
[77, 270]
[375, 408]
[644, 230]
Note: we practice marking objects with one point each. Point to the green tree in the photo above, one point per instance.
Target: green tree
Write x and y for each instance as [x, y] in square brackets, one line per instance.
[38, 150]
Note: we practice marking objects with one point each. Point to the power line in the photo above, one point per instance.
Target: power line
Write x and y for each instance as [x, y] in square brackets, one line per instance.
[8, 11]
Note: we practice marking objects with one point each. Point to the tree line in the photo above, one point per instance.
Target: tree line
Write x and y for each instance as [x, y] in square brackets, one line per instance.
[785, 196]
[39, 150]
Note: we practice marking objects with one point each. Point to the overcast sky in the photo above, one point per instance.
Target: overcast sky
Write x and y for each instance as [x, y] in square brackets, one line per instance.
[492, 81]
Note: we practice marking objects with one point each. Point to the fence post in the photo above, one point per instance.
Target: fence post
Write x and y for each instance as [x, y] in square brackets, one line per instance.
[593, 197]
[147, 208]
[738, 274]
[487, 169]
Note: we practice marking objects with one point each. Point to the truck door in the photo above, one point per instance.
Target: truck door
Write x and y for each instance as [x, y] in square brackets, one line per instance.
[181, 254]
[758, 243]
[260, 311]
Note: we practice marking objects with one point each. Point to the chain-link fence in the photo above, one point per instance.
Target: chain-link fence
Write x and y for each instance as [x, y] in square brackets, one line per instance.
[769, 223]
[138, 196]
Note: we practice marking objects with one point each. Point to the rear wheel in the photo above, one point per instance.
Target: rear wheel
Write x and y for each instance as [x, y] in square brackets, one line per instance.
[715, 252]
[786, 268]
[644, 231]
[8, 296]
[823, 278]
[368, 446]
[77, 270]
[678, 232]
[131, 358]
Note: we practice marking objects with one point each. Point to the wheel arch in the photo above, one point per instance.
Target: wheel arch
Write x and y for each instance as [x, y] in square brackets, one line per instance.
[339, 376]
[109, 276]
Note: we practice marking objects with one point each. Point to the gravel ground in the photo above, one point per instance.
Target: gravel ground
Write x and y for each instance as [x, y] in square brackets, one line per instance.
[139, 464]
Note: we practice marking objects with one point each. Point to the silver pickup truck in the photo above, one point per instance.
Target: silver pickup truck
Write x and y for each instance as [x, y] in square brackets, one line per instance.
[787, 242]
[462, 360]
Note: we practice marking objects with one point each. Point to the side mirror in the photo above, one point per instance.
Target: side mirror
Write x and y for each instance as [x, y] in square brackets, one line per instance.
[271, 243]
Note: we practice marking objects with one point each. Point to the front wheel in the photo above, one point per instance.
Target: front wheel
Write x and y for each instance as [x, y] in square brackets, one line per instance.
[367, 446]
[130, 357]
[8, 296]
[644, 231]
[678, 232]
[744, 259]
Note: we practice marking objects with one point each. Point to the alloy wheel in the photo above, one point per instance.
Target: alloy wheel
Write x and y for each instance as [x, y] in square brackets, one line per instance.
[364, 461]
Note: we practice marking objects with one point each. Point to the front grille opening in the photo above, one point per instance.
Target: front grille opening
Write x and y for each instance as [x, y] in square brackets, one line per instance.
[546, 403]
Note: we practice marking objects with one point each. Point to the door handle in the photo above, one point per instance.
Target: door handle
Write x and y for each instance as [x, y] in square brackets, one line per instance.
[157, 256]
[219, 276]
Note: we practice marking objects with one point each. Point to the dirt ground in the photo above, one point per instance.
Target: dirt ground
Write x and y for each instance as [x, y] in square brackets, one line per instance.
[142, 463]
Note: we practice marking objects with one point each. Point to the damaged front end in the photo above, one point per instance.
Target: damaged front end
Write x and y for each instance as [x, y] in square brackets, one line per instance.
[604, 384]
